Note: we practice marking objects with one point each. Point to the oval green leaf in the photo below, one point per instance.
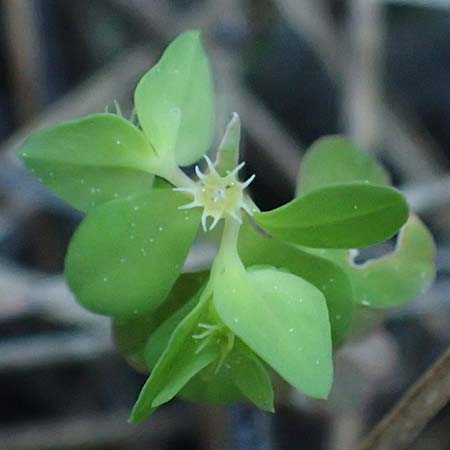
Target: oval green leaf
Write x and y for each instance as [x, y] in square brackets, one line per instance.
[257, 249]
[253, 380]
[127, 254]
[399, 276]
[283, 319]
[342, 216]
[395, 278]
[90, 161]
[336, 160]
[175, 101]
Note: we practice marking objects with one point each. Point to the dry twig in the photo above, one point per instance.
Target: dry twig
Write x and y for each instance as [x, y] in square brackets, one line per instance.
[399, 428]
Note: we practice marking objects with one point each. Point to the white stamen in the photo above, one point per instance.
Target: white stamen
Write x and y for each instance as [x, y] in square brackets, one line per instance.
[211, 167]
[246, 183]
[207, 326]
[216, 220]
[247, 208]
[235, 216]
[237, 169]
[190, 205]
[218, 195]
[200, 175]
[184, 189]
[204, 217]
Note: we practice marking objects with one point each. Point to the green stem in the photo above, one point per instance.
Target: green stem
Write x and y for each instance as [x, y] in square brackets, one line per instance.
[169, 170]
[227, 255]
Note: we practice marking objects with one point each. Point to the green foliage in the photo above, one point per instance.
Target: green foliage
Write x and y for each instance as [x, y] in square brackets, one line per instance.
[282, 291]
[381, 283]
[284, 319]
[140, 241]
[179, 362]
[132, 334]
[251, 378]
[228, 151]
[257, 249]
[335, 160]
[175, 101]
[340, 216]
[90, 161]
[397, 277]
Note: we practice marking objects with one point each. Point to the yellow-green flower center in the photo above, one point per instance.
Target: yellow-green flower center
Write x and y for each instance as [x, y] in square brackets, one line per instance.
[218, 196]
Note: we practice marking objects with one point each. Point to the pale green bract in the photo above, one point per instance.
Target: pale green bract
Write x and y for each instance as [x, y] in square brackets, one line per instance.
[282, 290]
[284, 319]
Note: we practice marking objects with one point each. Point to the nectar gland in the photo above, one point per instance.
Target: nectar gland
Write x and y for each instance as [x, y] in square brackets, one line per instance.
[218, 196]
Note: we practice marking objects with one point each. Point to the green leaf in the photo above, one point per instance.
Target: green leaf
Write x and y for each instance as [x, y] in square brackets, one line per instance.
[257, 249]
[127, 254]
[342, 216]
[283, 319]
[252, 379]
[159, 339]
[242, 375]
[400, 276]
[213, 387]
[177, 365]
[336, 160]
[90, 161]
[228, 152]
[131, 334]
[175, 101]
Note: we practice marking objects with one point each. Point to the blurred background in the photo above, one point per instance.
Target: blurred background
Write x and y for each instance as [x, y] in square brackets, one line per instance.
[295, 70]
